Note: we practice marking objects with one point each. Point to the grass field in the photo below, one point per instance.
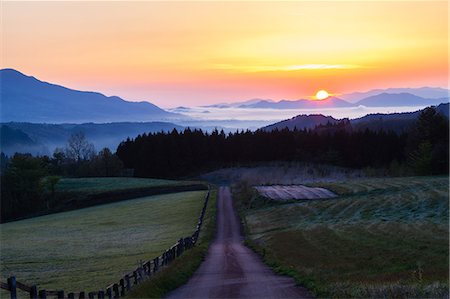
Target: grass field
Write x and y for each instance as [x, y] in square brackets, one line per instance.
[179, 271]
[379, 238]
[95, 185]
[89, 248]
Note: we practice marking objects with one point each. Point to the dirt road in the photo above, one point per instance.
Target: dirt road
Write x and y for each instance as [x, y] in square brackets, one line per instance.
[232, 270]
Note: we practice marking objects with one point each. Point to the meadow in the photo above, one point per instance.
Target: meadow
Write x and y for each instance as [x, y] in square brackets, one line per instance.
[104, 184]
[87, 249]
[381, 237]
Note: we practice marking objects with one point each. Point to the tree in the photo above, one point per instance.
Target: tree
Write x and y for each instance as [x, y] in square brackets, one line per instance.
[21, 186]
[78, 148]
[107, 164]
[49, 183]
[428, 146]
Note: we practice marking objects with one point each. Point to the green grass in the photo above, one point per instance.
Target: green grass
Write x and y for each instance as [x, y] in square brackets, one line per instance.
[87, 249]
[96, 185]
[179, 272]
[381, 236]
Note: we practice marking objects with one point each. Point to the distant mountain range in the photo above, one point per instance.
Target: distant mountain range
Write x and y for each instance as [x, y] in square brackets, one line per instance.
[423, 92]
[42, 139]
[25, 98]
[397, 122]
[393, 97]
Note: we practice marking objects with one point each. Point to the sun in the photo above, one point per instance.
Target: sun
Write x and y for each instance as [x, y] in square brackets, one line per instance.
[322, 95]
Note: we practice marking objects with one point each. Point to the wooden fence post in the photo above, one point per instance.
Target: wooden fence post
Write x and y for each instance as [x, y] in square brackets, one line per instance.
[91, 295]
[155, 264]
[109, 293]
[33, 292]
[122, 287]
[135, 278]
[42, 294]
[82, 295]
[116, 290]
[101, 295]
[60, 294]
[127, 280]
[12, 287]
[71, 296]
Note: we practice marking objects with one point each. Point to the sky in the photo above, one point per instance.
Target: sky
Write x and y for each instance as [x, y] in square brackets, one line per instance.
[195, 53]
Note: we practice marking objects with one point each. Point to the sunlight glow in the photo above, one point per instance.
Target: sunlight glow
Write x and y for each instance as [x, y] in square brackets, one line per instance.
[322, 95]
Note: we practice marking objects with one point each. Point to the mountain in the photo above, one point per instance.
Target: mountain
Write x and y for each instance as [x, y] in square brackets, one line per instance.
[423, 92]
[397, 122]
[302, 122]
[331, 102]
[44, 138]
[237, 104]
[15, 140]
[25, 98]
[398, 100]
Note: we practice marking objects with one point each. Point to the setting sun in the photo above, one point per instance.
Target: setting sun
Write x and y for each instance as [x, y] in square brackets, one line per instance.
[322, 95]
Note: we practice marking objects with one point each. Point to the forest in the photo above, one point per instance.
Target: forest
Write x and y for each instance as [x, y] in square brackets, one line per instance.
[423, 149]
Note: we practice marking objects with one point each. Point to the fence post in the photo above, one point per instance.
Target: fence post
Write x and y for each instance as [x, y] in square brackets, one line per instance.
[60, 294]
[42, 294]
[33, 292]
[122, 287]
[109, 293]
[91, 295]
[135, 278]
[155, 264]
[71, 296]
[101, 295]
[116, 290]
[82, 295]
[127, 280]
[12, 287]
[148, 268]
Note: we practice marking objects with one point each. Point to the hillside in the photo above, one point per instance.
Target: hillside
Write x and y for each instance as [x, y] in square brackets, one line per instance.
[398, 122]
[25, 98]
[302, 122]
[44, 138]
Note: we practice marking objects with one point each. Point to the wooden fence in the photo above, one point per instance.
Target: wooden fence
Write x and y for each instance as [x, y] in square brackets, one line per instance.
[120, 288]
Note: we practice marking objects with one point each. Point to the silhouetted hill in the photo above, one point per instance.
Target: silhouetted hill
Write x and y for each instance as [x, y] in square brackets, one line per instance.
[302, 122]
[25, 98]
[15, 140]
[397, 122]
[398, 100]
[50, 136]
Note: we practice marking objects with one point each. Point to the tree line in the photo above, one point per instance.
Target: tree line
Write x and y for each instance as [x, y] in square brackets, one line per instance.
[423, 150]
[28, 183]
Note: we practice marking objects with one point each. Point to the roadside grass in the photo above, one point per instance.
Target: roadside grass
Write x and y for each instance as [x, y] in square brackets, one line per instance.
[380, 238]
[89, 248]
[103, 184]
[179, 271]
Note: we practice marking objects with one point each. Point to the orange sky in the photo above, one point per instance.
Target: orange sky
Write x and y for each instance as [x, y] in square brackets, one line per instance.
[190, 53]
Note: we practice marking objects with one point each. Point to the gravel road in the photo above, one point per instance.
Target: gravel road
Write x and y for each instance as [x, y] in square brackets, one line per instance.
[232, 270]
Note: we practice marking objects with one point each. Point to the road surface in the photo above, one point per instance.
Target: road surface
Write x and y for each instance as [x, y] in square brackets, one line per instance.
[232, 270]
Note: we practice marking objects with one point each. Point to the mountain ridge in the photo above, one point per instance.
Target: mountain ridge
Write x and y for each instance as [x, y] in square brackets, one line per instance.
[26, 98]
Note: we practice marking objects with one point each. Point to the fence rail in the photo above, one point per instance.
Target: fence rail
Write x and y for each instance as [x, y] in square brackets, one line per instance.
[120, 288]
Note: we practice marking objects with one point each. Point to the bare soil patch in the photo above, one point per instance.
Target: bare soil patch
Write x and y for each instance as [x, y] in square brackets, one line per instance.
[280, 192]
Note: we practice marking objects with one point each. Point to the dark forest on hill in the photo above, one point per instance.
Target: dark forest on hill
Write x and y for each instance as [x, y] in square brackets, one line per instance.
[424, 148]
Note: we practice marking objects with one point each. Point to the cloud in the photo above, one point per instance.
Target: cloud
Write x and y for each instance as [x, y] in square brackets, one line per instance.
[285, 68]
